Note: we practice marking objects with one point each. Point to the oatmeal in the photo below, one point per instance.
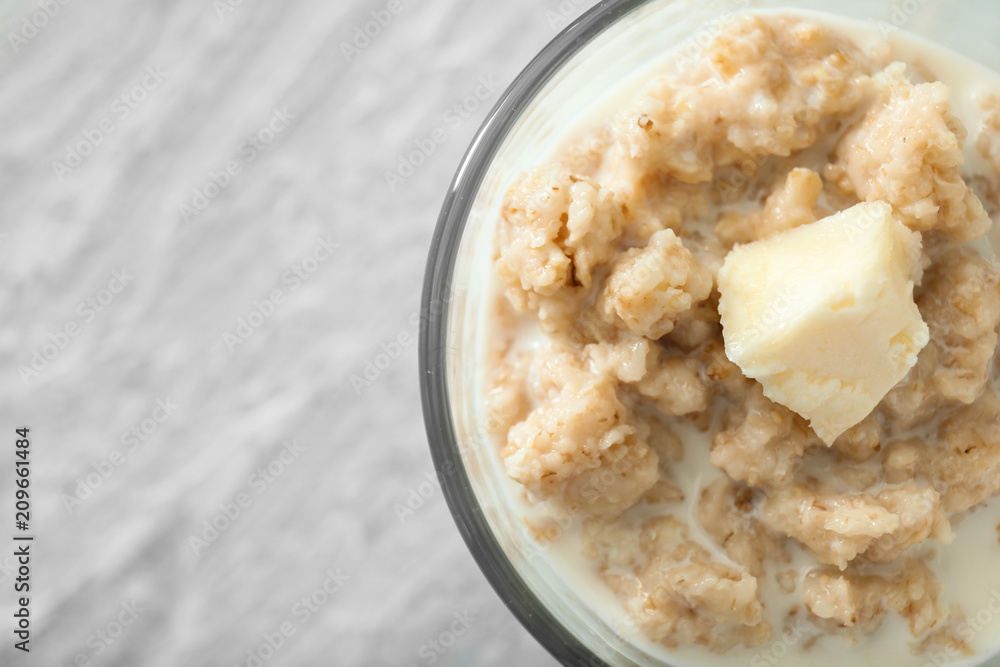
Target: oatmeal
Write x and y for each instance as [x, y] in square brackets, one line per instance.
[764, 263]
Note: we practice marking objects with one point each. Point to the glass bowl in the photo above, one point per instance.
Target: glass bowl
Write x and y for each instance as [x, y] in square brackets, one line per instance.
[610, 42]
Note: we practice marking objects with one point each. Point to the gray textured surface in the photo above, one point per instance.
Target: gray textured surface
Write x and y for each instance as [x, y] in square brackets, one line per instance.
[162, 336]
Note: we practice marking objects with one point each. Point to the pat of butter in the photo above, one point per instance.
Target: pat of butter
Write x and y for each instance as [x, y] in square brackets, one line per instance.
[823, 315]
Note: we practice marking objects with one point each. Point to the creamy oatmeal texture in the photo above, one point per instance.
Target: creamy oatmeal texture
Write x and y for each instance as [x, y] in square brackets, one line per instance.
[616, 255]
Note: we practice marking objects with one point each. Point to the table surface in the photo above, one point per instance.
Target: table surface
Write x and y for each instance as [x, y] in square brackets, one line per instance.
[198, 247]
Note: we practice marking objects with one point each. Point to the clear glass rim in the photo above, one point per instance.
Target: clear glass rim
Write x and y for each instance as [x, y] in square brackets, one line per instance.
[433, 345]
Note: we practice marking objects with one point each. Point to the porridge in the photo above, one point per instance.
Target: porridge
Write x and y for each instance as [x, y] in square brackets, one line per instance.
[766, 262]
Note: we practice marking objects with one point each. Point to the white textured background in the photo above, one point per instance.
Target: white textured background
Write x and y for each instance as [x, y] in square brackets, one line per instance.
[161, 337]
